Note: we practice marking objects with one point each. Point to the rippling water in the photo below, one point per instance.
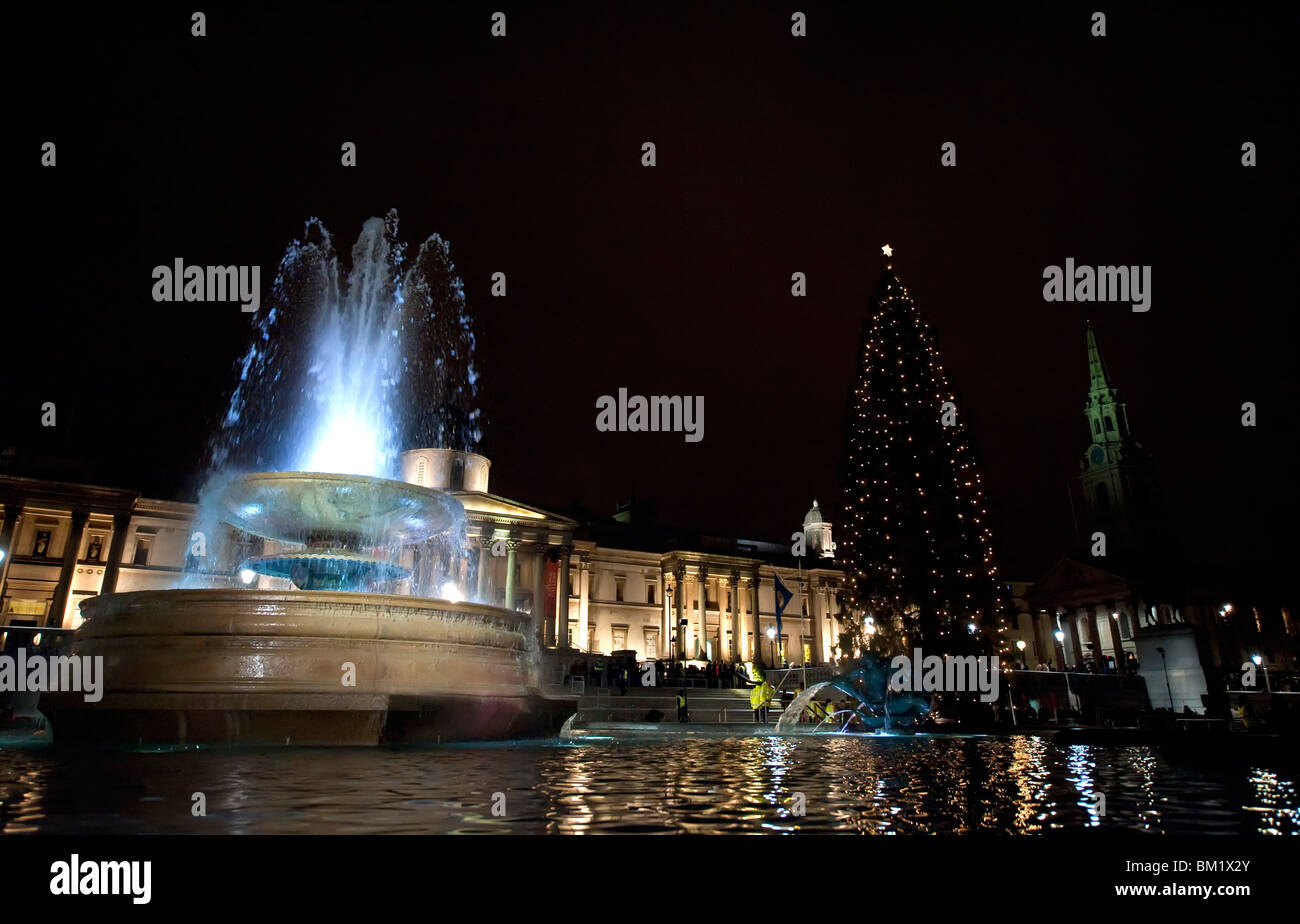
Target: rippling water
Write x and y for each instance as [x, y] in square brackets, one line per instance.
[874, 785]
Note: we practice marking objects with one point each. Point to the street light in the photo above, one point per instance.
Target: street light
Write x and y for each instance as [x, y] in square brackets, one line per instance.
[771, 635]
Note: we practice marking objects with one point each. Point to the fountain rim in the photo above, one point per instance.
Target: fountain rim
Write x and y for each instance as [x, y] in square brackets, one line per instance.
[445, 504]
[340, 597]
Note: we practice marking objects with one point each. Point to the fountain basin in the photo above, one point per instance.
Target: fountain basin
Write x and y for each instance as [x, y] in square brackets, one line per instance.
[236, 666]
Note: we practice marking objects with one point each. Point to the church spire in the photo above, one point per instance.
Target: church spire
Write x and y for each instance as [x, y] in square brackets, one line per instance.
[1114, 467]
[1099, 378]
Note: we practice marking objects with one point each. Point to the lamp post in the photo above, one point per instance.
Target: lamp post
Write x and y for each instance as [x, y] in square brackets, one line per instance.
[1060, 640]
[771, 637]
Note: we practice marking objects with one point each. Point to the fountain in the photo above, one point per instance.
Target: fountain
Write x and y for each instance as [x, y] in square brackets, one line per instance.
[324, 647]
[874, 706]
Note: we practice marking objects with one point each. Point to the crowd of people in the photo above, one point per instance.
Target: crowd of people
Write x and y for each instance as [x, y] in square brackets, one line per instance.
[621, 672]
[1088, 665]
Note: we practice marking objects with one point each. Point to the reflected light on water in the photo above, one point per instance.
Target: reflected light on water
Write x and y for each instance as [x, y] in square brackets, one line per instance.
[887, 785]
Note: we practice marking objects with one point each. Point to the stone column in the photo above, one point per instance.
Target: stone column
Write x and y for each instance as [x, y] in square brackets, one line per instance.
[584, 600]
[1042, 651]
[116, 550]
[512, 547]
[679, 606]
[484, 559]
[758, 638]
[562, 639]
[13, 514]
[1094, 633]
[737, 636]
[702, 632]
[70, 550]
[1072, 638]
[539, 591]
[832, 638]
[665, 614]
[718, 653]
[814, 598]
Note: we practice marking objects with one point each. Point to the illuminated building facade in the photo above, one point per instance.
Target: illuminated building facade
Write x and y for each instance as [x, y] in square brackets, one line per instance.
[628, 586]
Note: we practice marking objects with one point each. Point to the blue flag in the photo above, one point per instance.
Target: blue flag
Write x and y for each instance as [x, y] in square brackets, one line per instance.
[783, 598]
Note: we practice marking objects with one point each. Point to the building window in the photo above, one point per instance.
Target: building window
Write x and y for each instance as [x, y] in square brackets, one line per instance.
[27, 607]
[651, 644]
[41, 547]
[618, 636]
[95, 548]
[591, 638]
[1110, 424]
[731, 645]
[620, 584]
[1096, 427]
[141, 556]
[650, 592]
[807, 653]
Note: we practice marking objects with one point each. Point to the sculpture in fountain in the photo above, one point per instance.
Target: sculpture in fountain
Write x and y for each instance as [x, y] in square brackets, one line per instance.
[871, 704]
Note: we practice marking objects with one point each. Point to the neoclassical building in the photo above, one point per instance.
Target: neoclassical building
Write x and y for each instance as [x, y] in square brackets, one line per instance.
[595, 585]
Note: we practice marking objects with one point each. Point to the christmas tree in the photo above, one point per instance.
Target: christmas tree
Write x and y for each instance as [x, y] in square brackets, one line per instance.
[918, 549]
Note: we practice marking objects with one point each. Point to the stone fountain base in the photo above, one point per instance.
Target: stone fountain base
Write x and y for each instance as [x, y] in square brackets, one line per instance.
[248, 667]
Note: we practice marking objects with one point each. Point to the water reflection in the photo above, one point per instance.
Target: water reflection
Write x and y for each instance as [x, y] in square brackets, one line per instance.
[898, 785]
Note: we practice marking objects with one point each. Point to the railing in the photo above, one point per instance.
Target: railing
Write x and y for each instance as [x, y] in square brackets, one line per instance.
[705, 715]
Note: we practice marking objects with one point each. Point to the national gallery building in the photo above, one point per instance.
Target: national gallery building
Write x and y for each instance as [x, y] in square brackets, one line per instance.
[596, 586]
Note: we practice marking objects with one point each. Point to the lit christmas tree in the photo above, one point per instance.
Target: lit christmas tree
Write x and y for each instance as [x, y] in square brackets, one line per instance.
[918, 549]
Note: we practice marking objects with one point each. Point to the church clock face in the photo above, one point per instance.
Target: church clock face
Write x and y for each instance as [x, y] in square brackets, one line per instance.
[1097, 455]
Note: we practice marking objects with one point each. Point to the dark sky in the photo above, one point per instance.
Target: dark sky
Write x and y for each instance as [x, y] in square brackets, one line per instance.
[775, 154]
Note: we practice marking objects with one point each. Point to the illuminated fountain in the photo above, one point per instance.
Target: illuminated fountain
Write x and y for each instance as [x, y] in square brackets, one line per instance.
[332, 643]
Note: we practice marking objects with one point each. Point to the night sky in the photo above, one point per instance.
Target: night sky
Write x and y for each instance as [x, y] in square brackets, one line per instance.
[775, 154]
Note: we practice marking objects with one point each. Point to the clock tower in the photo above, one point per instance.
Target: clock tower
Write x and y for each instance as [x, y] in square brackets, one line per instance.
[1115, 472]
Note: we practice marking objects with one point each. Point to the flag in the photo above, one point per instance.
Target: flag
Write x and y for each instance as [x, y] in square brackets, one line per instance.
[783, 598]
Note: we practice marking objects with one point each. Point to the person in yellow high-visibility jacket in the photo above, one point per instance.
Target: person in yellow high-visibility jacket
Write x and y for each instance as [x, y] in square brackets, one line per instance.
[758, 699]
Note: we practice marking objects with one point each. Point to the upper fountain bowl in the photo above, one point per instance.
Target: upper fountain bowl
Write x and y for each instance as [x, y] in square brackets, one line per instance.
[335, 511]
